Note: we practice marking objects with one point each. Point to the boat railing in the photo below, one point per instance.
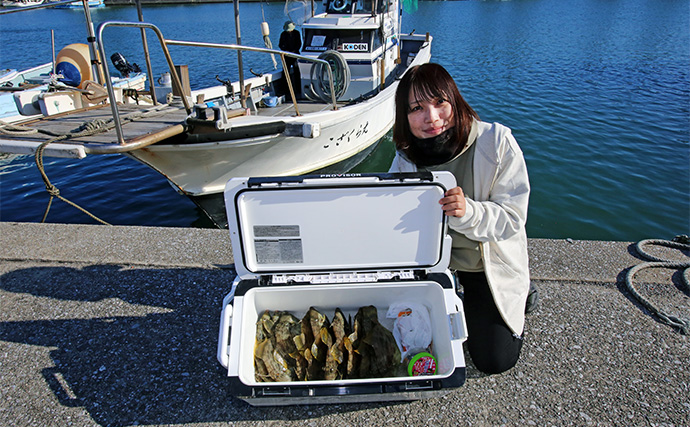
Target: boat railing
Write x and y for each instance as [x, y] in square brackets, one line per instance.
[175, 79]
[282, 55]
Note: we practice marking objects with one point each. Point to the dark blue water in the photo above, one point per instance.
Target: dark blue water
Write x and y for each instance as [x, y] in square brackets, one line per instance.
[597, 94]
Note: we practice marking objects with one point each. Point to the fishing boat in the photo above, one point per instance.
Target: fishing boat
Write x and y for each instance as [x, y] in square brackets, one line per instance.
[11, 78]
[38, 91]
[79, 4]
[351, 61]
[13, 81]
[21, 3]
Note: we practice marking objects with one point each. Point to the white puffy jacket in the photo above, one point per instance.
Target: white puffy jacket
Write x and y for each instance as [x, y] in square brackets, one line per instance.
[496, 217]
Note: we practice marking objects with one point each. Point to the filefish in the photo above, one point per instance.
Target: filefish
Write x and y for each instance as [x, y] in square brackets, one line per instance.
[264, 325]
[378, 352]
[275, 355]
[290, 349]
[315, 354]
[276, 364]
[336, 358]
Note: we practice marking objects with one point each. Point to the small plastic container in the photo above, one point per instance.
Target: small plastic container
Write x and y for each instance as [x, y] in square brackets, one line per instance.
[420, 362]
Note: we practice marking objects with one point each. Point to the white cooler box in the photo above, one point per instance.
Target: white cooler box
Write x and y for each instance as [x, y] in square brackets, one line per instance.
[340, 242]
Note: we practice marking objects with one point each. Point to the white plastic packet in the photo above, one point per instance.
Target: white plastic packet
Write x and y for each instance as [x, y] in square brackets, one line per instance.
[412, 326]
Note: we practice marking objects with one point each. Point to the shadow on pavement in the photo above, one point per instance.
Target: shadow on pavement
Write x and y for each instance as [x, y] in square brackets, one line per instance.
[158, 367]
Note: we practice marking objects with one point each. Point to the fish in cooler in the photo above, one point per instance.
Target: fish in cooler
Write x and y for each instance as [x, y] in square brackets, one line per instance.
[290, 349]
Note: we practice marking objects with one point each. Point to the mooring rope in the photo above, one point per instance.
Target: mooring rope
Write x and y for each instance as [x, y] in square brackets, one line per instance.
[86, 129]
[89, 128]
[679, 242]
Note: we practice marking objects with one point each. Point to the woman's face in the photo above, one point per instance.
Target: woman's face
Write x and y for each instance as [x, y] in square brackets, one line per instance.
[429, 118]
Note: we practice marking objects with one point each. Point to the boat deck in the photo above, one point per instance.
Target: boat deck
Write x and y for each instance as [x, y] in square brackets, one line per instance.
[94, 127]
[141, 126]
[288, 109]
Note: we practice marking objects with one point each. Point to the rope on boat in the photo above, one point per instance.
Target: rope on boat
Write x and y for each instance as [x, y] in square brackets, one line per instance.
[681, 242]
[89, 128]
[16, 130]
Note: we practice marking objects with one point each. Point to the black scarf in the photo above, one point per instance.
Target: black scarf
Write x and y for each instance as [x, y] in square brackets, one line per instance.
[435, 150]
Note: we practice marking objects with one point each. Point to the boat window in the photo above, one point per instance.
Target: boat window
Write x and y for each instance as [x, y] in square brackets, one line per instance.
[319, 40]
[376, 40]
[355, 6]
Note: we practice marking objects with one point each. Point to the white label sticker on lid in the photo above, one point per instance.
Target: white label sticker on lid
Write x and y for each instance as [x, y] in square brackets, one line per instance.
[276, 231]
[278, 244]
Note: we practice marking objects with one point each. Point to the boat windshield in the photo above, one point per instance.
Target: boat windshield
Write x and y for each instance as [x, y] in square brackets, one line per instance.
[355, 6]
[343, 40]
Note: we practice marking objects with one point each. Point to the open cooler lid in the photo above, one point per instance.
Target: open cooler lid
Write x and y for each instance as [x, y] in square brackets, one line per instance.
[345, 223]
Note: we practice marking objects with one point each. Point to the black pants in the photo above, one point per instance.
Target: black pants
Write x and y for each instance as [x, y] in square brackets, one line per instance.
[292, 72]
[492, 345]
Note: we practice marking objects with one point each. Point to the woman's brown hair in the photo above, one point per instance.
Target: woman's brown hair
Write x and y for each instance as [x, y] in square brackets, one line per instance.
[429, 81]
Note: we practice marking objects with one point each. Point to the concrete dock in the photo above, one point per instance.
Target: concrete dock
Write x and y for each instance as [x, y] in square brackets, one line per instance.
[118, 326]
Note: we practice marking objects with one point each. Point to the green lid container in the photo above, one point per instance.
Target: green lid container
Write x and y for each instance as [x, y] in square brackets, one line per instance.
[423, 363]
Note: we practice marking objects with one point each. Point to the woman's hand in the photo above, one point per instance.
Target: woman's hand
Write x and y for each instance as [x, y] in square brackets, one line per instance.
[454, 202]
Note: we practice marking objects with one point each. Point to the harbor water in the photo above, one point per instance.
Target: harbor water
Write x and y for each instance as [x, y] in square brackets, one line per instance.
[596, 93]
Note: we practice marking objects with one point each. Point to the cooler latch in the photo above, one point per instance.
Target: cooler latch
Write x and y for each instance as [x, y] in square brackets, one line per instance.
[273, 391]
[417, 386]
[354, 277]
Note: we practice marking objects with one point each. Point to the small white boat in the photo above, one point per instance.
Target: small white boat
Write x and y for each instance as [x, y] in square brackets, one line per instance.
[79, 5]
[12, 78]
[13, 81]
[21, 3]
[38, 91]
[7, 74]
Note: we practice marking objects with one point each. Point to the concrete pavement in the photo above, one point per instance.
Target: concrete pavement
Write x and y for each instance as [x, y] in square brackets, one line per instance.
[119, 325]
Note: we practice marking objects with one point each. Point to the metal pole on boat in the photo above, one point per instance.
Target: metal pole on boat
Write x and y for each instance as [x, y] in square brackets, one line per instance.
[243, 97]
[52, 45]
[289, 82]
[111, 92]
[147, 57]
[93, 46]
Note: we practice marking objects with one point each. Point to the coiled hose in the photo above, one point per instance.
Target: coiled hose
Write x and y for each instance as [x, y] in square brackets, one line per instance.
[681, 242]
[320, 85]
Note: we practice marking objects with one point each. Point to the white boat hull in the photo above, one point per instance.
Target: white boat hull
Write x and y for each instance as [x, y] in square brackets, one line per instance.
[200, 169]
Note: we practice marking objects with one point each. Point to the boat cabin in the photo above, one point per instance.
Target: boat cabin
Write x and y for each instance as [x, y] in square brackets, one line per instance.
[359, 6]
[358, 44]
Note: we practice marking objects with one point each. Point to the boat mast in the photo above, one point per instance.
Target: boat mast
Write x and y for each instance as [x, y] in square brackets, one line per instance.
[239, 53]
[147, 56]
[52, 45]
[93, 46]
